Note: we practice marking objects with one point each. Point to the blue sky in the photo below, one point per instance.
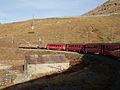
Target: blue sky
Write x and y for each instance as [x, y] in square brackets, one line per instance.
[18, 10]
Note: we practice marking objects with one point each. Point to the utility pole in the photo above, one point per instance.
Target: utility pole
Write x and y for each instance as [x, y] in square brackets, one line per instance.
[87, 34]
[112, 37]
[32, 25]
[12, 41]
[87, 37]
[39, 41]
[64, 37]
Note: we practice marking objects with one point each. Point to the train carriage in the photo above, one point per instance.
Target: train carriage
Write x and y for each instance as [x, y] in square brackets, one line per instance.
[94, 48]
[56, 46]
[75, 47]
[115, 53]
[67, 47]
[111, 47]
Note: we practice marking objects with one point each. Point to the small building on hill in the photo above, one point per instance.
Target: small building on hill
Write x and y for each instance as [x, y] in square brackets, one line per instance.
[44, 64]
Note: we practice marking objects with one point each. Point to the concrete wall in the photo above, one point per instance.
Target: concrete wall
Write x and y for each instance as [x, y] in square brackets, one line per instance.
[34, 69]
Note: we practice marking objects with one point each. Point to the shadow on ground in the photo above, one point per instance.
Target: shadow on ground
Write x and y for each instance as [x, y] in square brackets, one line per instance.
[93, 73]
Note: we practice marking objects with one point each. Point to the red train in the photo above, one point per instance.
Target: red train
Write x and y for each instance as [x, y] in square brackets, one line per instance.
[66, 47]
[110, 49]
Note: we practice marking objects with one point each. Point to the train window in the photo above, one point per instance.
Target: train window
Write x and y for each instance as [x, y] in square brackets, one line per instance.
[106, 47]
[91, 46]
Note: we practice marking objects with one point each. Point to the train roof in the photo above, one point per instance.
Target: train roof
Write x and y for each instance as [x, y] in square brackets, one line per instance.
[68, 44]
[105, 43]
[81, 43]
[116, 43]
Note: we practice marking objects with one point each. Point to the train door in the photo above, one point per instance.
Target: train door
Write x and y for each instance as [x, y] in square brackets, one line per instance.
[102, 49]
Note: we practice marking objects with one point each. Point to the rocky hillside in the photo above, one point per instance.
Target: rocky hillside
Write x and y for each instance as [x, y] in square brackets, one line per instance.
[109, 7]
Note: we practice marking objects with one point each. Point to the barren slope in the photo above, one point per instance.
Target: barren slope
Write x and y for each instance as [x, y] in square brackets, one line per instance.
[61, 30]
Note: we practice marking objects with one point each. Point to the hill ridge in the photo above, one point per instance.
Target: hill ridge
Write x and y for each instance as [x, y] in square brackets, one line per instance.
[109, 7]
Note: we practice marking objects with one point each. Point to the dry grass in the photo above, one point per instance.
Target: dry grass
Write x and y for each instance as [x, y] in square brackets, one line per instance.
[61, 30]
